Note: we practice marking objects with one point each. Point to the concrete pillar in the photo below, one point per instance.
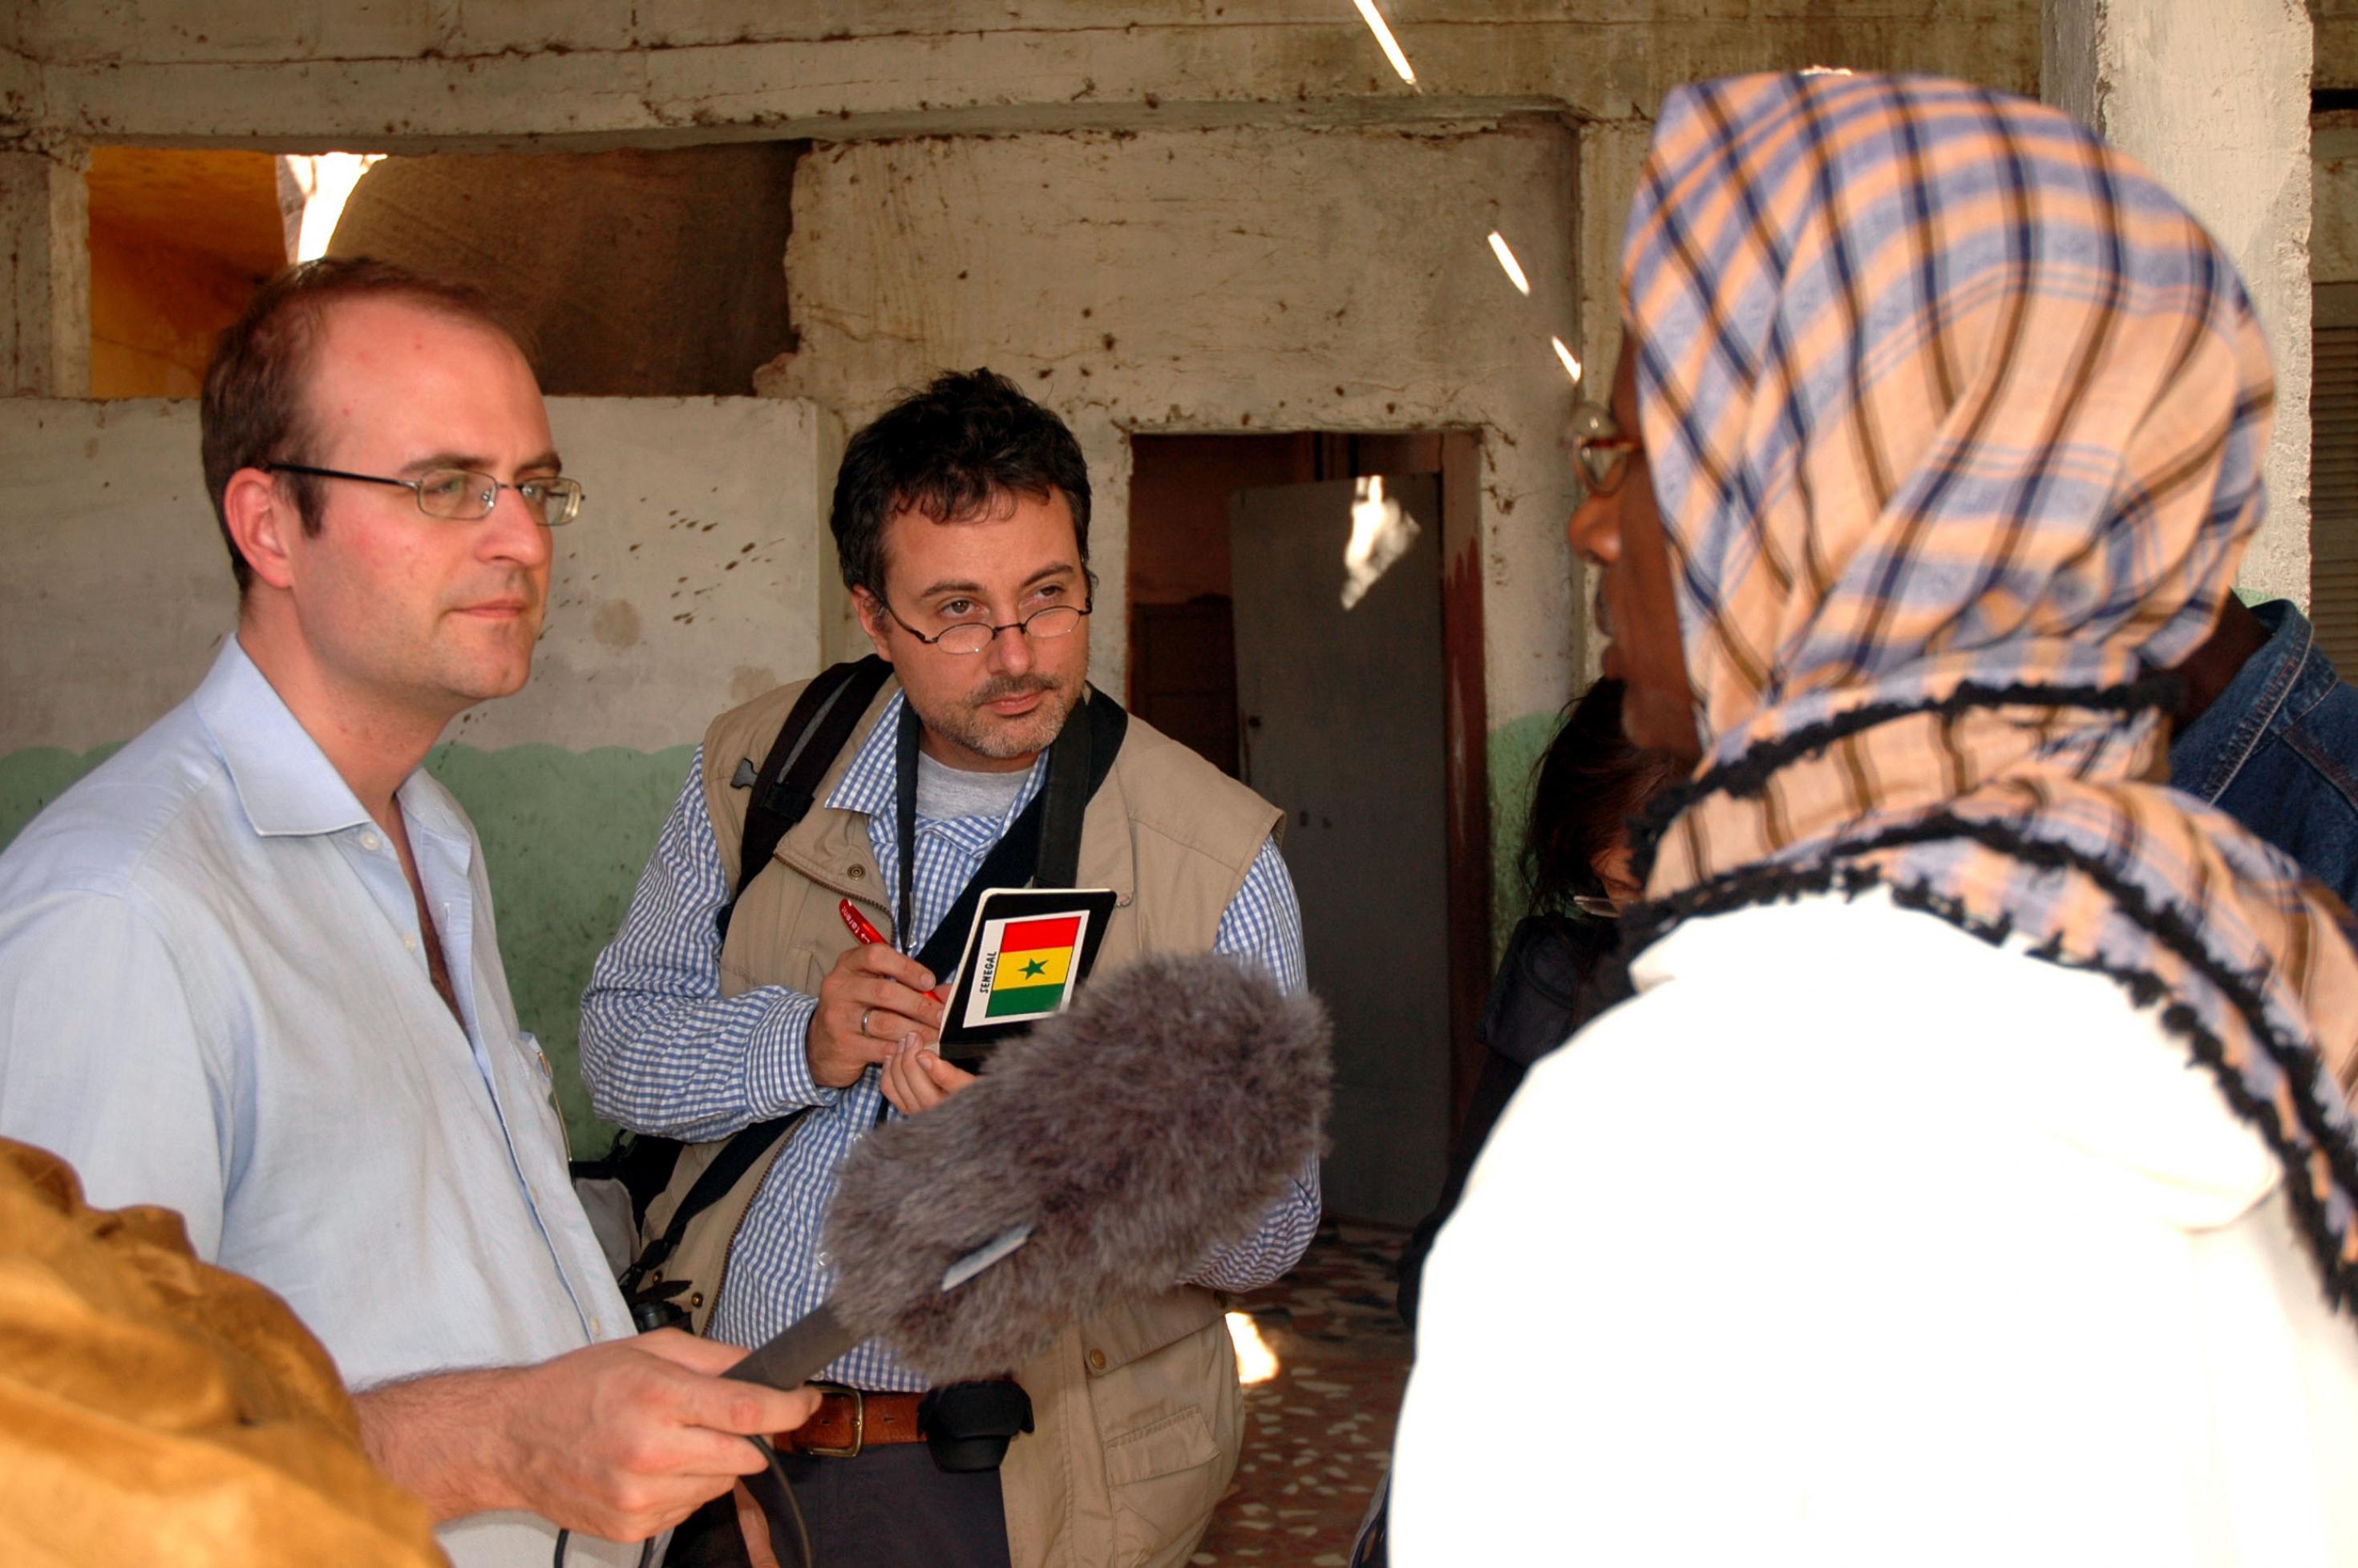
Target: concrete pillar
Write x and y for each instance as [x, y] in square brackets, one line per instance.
[44, 274]
[2213, 96]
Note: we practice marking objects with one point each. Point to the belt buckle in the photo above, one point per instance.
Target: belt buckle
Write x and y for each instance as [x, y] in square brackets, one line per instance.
[858, 1423]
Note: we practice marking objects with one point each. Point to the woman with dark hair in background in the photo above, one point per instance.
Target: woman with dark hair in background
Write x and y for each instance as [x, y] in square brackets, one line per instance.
[1591, 780]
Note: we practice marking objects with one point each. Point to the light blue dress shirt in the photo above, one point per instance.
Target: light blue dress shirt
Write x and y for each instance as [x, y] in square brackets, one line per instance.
[214, 997]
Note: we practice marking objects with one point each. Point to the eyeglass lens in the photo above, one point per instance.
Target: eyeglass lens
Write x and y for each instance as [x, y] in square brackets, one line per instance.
[974, 636]
[1600, 465]
[464, 496]
[1598, 450]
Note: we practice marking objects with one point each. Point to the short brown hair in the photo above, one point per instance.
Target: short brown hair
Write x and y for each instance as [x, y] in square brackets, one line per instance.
[252, 408]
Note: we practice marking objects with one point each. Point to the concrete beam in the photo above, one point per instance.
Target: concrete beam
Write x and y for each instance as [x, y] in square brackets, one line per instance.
[2213, 96]
[92, 32]
[1612, 64]
[44, 274]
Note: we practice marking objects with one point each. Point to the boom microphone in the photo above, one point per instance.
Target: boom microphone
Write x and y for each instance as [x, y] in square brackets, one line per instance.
[1106, 1155]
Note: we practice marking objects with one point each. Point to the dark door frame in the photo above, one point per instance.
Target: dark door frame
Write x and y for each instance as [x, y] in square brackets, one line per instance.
[1466, 706]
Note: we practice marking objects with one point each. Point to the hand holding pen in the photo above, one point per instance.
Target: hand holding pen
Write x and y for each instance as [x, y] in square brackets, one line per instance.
[872, 1002]
[870, 937]
[878, 1007]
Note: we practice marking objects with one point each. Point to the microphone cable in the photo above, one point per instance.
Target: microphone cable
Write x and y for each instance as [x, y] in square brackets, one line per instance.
[774, 1479]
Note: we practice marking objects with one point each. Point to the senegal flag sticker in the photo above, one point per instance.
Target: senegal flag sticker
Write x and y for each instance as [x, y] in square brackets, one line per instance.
[1024, 967]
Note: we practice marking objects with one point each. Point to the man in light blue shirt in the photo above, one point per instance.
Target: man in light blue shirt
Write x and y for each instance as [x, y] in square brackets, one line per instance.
[248, 969]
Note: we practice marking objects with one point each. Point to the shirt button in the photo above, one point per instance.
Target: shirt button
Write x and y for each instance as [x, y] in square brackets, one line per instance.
[1097, 1361]
[409, 941]
[597, 1325]
[371, 842]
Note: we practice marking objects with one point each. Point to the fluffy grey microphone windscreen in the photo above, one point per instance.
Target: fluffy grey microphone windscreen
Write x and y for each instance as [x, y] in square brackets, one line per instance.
[1147, 1125]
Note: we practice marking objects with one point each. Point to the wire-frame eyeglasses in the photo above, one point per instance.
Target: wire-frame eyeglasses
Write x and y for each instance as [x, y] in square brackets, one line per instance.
[1600, 452]
[462, 495]
[974, 636]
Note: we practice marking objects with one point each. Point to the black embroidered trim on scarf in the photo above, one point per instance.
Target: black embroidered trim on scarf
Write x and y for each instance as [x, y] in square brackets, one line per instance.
[1747, 777]
[1646, 924]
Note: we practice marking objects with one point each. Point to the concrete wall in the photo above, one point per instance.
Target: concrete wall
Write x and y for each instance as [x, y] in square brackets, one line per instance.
[2214, 97]
[1331, 281]
[1166, 216]
[688, 584]
[2336, 24]
[2333, 221]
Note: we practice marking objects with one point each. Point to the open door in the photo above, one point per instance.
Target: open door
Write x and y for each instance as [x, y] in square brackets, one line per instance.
[1340, 694]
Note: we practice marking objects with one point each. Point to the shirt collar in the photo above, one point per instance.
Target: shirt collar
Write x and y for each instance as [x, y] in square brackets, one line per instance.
[284, 783]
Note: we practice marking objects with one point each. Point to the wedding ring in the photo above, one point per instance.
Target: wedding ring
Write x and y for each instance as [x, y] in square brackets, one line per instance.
[864, 1019]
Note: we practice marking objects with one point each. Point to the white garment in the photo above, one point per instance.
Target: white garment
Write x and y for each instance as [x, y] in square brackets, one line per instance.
[1854, 1240]
[214, 996]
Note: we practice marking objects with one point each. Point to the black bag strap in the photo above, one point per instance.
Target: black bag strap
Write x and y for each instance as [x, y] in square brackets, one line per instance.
[736, 1157]
[807, 744]
[1070, 789]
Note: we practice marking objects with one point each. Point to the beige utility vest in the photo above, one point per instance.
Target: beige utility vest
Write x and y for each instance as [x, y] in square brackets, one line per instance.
[1138, 1418]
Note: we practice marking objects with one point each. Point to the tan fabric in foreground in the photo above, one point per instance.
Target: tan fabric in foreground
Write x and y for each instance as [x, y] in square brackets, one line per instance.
[153, 1409]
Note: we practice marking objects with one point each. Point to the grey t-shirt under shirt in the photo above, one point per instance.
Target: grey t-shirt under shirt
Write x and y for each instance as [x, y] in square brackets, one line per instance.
[945, 792]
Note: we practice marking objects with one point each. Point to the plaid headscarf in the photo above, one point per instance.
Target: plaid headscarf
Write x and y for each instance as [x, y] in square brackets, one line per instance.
[1955, 420]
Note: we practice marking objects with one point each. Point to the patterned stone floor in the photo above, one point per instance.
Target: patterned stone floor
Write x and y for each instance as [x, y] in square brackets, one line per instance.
[1318, 1433]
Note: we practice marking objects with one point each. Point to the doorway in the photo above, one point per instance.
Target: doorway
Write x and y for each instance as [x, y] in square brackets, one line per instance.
[1305, 614]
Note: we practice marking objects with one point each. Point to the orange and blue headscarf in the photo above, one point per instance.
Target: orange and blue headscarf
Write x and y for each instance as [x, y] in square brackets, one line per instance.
[1955, 420]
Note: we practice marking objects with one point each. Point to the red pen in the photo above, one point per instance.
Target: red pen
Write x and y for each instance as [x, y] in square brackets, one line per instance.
[868, 935]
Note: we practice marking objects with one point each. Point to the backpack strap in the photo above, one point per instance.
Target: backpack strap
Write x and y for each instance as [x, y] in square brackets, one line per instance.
[736, 1157]
[807, 744]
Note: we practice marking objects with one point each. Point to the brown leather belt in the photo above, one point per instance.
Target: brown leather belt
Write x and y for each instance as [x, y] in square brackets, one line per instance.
[849, 1420]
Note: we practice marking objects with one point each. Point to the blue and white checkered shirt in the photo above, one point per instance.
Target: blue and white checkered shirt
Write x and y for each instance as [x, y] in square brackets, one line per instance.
[664, 1053]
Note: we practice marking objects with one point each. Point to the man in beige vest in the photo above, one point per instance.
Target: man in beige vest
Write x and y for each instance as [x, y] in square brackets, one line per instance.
[961, 517]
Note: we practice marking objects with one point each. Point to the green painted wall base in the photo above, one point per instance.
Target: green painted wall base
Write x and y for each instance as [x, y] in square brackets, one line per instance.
[565, 835]
[1516, 748]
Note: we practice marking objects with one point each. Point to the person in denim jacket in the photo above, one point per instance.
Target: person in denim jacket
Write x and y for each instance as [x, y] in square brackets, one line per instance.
[2268, 733]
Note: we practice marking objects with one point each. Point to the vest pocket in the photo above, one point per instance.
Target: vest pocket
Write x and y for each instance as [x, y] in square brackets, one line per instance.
[1165, 1482]
[1165, 1409]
